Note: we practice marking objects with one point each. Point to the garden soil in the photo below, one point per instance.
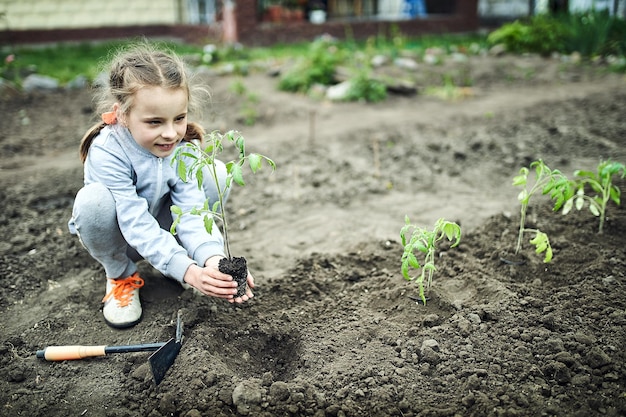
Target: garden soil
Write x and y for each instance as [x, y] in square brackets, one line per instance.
[334, 329]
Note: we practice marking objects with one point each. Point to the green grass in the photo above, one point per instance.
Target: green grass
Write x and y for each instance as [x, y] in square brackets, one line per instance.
[592, 34]
[66, 61]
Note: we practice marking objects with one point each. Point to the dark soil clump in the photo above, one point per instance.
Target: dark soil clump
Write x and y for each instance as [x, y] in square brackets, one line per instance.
[237, 268]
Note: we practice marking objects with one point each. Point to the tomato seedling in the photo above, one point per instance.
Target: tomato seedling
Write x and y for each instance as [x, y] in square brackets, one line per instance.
[416, 240]
[192, 159]
[602, 183]
[546, 181]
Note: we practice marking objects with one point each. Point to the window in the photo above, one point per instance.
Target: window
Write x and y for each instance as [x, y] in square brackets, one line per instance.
[360, 9]
[201, 11]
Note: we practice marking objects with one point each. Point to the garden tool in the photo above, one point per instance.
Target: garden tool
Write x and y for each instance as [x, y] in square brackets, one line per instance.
[160, 361]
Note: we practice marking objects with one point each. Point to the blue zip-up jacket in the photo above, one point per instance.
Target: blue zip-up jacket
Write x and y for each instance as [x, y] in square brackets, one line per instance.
[140, 183]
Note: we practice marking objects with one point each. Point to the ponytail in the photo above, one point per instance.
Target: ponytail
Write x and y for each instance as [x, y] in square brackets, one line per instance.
[85, 142]
[195, 132]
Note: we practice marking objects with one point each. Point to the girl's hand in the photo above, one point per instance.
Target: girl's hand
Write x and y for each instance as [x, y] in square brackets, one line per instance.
[210, 281]
[248, 295]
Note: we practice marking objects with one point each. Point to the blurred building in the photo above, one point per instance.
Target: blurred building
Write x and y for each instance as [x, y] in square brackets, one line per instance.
[518, 8]
[262, 22]
[257, 22]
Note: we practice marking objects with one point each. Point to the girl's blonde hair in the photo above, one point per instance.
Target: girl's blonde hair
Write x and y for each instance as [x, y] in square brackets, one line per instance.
[137, 66]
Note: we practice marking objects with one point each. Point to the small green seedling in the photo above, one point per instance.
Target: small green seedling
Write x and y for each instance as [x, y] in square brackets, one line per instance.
[248, 113]
[416, 239]
[547, 181]
[198, 158]
[602, 183]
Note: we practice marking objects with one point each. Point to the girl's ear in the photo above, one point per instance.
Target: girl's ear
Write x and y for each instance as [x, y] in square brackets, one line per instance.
[121, 117]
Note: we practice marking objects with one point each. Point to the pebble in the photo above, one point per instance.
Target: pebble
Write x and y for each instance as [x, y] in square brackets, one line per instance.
[430, 356]
[597, 358]
[279, 391]
[338, 92]
[431, 320]
[430, 343]
[36, 82]
[406, 63]
[167, 404]
[246, 397]
[474, 318]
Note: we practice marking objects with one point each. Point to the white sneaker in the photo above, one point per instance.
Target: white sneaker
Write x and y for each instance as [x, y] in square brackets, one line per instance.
[122, 307]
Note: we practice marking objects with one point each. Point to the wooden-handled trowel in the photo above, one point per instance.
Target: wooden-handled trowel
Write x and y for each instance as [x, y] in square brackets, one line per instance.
[161, 360]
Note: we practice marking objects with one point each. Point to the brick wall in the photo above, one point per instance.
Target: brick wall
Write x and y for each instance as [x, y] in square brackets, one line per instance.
[251, 30]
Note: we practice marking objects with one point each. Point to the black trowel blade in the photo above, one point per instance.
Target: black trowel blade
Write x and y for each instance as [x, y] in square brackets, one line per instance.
[162, 359]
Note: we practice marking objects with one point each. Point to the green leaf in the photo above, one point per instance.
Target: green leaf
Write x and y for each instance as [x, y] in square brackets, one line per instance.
[542, 243]
[176, 210]
[567, 207]
[200, 178]
[174, 225]
[405, 270]
[596, 186]
[190, 155]
[413, 262]
[430, 239]
[453, 232]
[255, 162]
[421, 247]
[402, 237]
[430, 267]
[519, 180]
[208, 223]
[182, 170]
[550, 187]
[548, 256]
[594, 209]
[541, 246]
[580, 203]
[523, 196]
[241, 145]
[270, 162]
[588, 174]
[237, 174]
[558, 202]
[615, 194]
[536, 239]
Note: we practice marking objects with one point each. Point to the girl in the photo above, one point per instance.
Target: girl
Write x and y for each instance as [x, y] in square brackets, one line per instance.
[122, 214]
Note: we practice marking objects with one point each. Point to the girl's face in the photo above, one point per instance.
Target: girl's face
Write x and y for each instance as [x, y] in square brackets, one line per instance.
[157, 119]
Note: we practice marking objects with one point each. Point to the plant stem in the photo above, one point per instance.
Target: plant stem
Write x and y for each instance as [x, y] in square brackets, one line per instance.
[224, 223]
[522, 223]
[605, 199]
[220, 196]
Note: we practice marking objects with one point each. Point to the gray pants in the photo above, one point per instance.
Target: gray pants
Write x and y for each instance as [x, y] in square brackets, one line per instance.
[94, 220]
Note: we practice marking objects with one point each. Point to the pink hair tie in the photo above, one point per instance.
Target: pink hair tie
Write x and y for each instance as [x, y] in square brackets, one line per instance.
[109, 118]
